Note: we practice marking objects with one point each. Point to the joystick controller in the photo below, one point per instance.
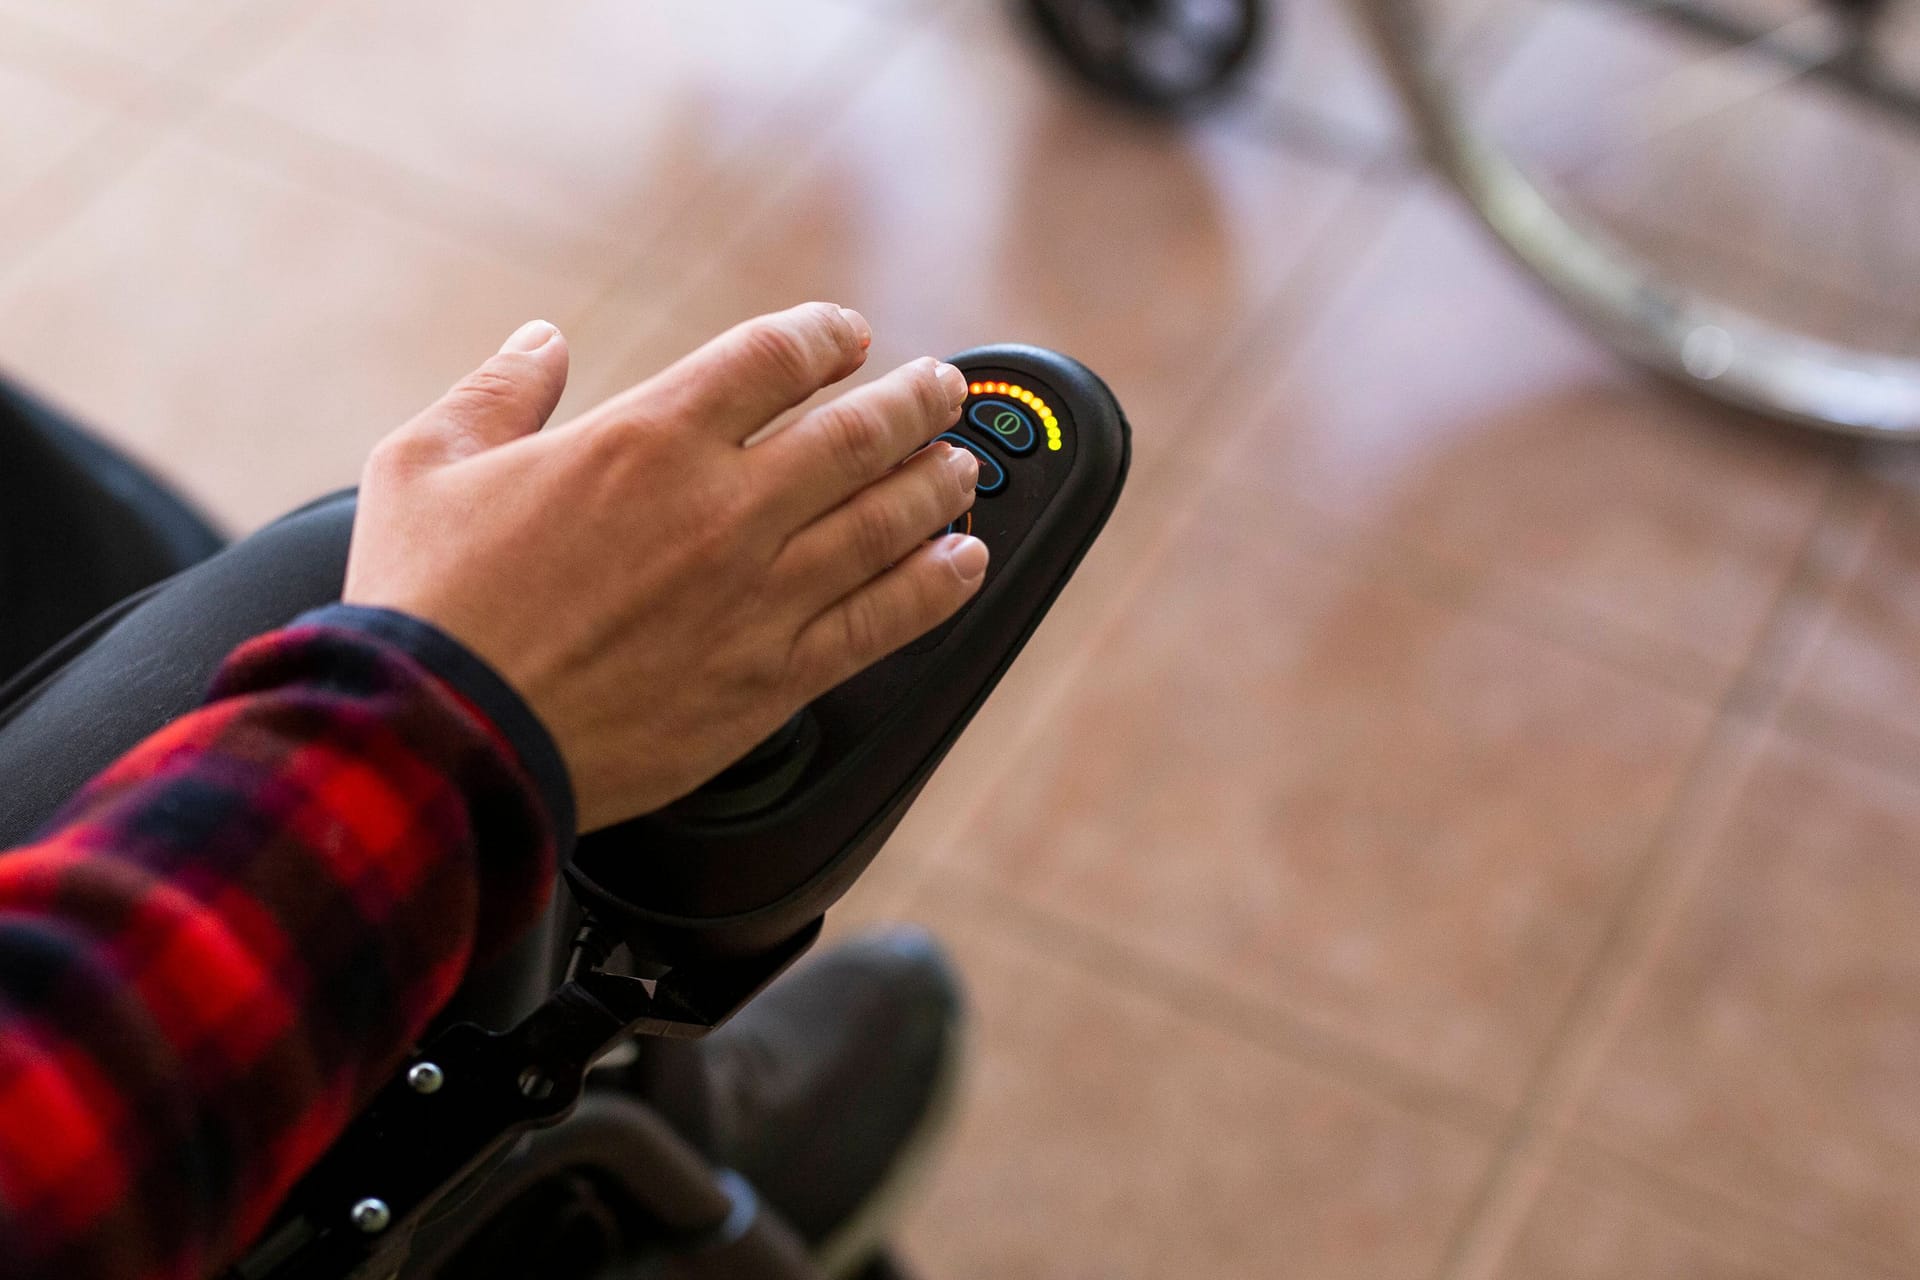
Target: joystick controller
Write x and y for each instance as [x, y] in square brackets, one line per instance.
[754, 857]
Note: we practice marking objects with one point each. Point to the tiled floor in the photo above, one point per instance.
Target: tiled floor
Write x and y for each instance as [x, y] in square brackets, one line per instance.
[1457, 823]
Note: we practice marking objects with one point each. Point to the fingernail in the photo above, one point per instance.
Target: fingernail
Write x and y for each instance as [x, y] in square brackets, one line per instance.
[953, 382]
[861, 329]
[966, 556]
[531, 336]
[965, 467]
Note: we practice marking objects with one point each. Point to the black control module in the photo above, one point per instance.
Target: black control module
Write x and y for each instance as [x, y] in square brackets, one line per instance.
[760, 852]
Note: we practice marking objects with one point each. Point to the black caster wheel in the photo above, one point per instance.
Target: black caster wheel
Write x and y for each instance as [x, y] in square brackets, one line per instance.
[1170, 57]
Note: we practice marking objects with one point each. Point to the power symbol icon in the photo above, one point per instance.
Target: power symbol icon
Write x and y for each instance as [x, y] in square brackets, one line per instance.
[1006, 424]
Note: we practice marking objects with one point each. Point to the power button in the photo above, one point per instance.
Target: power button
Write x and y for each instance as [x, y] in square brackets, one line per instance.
[1005, 423]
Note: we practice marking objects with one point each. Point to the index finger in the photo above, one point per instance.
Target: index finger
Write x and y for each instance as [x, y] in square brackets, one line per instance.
[757, 370]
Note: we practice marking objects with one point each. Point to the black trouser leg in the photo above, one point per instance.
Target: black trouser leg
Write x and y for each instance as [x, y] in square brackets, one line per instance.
[81, 526]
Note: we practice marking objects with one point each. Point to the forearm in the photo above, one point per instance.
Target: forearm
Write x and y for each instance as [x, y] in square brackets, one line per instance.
[230, 937]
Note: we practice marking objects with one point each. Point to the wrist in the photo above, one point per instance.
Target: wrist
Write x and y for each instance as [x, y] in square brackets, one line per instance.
[482, 689]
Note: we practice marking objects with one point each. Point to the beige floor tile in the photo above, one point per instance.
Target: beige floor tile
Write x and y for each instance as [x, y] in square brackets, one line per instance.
[42, 122]
[1376, 812]
[150, 33]
[1443, 405]
[1585, 1228]
[592, 124]
[1771, 1057]
[1103, 1134]
[248, 336]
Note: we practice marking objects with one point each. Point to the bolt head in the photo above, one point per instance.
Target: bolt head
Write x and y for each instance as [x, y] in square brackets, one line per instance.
[426, 1077]
[371, 1215]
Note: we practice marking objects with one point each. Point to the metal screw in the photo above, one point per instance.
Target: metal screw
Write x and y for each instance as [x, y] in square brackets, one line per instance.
[536, 1084]
[371, 1215]
[426, 1077]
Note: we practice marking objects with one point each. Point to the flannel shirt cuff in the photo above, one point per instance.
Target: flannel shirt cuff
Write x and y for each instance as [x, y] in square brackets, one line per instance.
[468, 675]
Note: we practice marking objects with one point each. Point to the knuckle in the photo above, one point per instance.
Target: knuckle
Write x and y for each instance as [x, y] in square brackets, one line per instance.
[856, 438]
[777, 347]
[929, 395]
[486, 386]
[731, 525]
[860, 630]
[872, 534]
[718, 534]
[395, 453]
[767, 676]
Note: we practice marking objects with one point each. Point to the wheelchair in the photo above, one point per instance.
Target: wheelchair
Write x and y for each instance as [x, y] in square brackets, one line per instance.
[1727, 192]
[510, 1142]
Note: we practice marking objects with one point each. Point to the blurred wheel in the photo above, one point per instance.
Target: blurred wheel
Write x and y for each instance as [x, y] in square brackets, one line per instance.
[1168, 56]
[1726, 190]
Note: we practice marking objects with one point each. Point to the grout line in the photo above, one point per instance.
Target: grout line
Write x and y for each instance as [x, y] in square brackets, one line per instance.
[1198, 997]
[1679, 858]
[377, 185]
[1512, 602]
[247, 35]
[59, 59]
[427, 201]
[1646, 1183]
[92, 168]
[163, 101]
[874, 54]
[1508, 601]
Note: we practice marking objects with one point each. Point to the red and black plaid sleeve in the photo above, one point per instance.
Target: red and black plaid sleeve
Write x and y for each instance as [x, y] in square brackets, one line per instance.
[225, 943]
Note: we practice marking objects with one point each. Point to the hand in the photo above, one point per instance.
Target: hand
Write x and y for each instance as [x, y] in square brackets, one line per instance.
[662, 593]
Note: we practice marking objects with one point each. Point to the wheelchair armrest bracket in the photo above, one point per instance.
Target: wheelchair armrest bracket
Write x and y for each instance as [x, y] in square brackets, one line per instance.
[470, 1092]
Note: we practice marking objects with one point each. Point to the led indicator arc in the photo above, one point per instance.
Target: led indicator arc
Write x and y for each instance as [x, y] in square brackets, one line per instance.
[1014, 391]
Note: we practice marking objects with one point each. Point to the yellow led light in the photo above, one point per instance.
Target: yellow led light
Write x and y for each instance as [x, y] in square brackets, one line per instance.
[1053, 443]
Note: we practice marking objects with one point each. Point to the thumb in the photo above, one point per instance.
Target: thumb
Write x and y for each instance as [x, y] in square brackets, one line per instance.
[511, 395]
